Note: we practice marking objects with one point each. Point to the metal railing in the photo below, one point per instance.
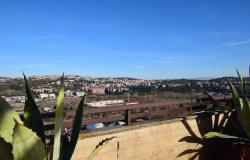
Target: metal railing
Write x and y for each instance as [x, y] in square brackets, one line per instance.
[125, 113]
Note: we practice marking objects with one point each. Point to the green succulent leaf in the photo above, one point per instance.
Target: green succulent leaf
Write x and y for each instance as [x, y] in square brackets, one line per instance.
[238, 102]
[27, 145]
[5, 150]
[69, 149]
[245, 116]
[58, 121]
[7, 120]
[242, 82]
[99, 147]
[32, 116]
[219, 135]
[236, 98]
[241, 105]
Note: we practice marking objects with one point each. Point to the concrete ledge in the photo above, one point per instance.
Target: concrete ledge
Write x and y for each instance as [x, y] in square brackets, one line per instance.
[145, 141]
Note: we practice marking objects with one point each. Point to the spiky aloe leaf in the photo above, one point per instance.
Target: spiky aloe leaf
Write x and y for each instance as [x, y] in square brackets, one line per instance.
[236, 98]
[69, 149]
[242, 108]
[219, 135]
[245, 115]
[7, 120]
[27, 145]
[32, 116]
[242, 82]
[5, 150]
[99, 147]
[58, 121]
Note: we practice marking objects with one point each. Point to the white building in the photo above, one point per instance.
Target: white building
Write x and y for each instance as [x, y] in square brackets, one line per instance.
[80, 93]
[68, 93]
[43, 95]
[106, 103]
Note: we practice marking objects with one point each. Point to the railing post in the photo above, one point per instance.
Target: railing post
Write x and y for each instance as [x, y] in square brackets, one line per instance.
[128, 116]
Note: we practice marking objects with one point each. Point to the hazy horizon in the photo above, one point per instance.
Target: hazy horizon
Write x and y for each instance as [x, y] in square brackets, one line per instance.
[106, 76]
[148, 39]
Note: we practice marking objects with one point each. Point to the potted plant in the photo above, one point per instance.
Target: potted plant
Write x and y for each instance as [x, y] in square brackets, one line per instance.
[240, 149]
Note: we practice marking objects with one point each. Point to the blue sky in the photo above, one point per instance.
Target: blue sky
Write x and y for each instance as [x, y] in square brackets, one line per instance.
[135, 38]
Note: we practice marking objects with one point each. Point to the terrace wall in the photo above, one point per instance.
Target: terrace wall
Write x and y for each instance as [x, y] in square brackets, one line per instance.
[151, 141]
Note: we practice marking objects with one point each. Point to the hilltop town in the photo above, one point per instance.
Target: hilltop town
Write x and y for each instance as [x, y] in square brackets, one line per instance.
[113, 90]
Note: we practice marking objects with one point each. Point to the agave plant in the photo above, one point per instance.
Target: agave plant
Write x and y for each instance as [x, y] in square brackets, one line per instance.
[207, 147]
[25, 140]
[242, 109]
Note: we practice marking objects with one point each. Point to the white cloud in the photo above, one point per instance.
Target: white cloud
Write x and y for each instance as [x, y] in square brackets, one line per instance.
[232, 44]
